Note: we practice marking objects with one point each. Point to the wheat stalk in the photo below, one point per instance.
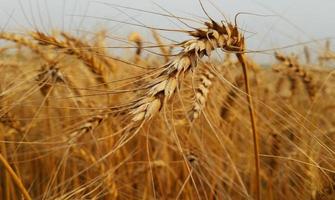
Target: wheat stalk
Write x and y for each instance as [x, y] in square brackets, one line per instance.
[15, 178]
[242, 60]
[230, 99]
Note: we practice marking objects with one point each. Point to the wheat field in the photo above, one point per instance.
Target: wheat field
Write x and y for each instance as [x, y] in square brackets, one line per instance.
[197, 118]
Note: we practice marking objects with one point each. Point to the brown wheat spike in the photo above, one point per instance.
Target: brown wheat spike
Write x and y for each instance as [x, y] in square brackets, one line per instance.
[94, 50]
[48, 76]
[201, 93]
[25, 41]
[294, 68]
[100, 42]
[137, 39]
[165, 84]
[92, 122]
[88, 125]
[70, 47]
[9, 120]
[165, 51]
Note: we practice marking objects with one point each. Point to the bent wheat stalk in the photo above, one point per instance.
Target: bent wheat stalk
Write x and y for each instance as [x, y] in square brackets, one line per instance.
[241, 59]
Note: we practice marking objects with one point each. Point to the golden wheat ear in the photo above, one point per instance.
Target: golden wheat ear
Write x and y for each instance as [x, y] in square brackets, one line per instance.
[212, 36]
[164, 50]
[201, 92]
[75, 47]
[136, 38]
[27, 42]
[291, 66]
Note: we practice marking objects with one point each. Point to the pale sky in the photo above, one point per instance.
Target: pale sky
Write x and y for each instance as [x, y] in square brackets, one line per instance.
[287, 21]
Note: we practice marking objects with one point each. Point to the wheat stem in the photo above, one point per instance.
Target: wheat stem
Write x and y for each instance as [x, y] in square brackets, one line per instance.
[241, 58]
[15, 178]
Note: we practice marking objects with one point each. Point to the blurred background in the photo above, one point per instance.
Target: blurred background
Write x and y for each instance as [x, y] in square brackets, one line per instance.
[268, 24]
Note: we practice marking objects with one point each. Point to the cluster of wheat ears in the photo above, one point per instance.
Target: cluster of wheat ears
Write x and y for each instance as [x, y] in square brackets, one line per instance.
[197, 119]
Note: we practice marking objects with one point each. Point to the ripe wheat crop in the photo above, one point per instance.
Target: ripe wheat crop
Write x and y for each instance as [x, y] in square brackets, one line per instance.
[82, 117]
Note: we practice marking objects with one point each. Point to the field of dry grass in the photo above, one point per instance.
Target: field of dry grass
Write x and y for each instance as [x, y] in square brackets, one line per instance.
[197, 119]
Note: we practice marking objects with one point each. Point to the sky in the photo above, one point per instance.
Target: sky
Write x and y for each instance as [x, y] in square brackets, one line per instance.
[270, 24]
